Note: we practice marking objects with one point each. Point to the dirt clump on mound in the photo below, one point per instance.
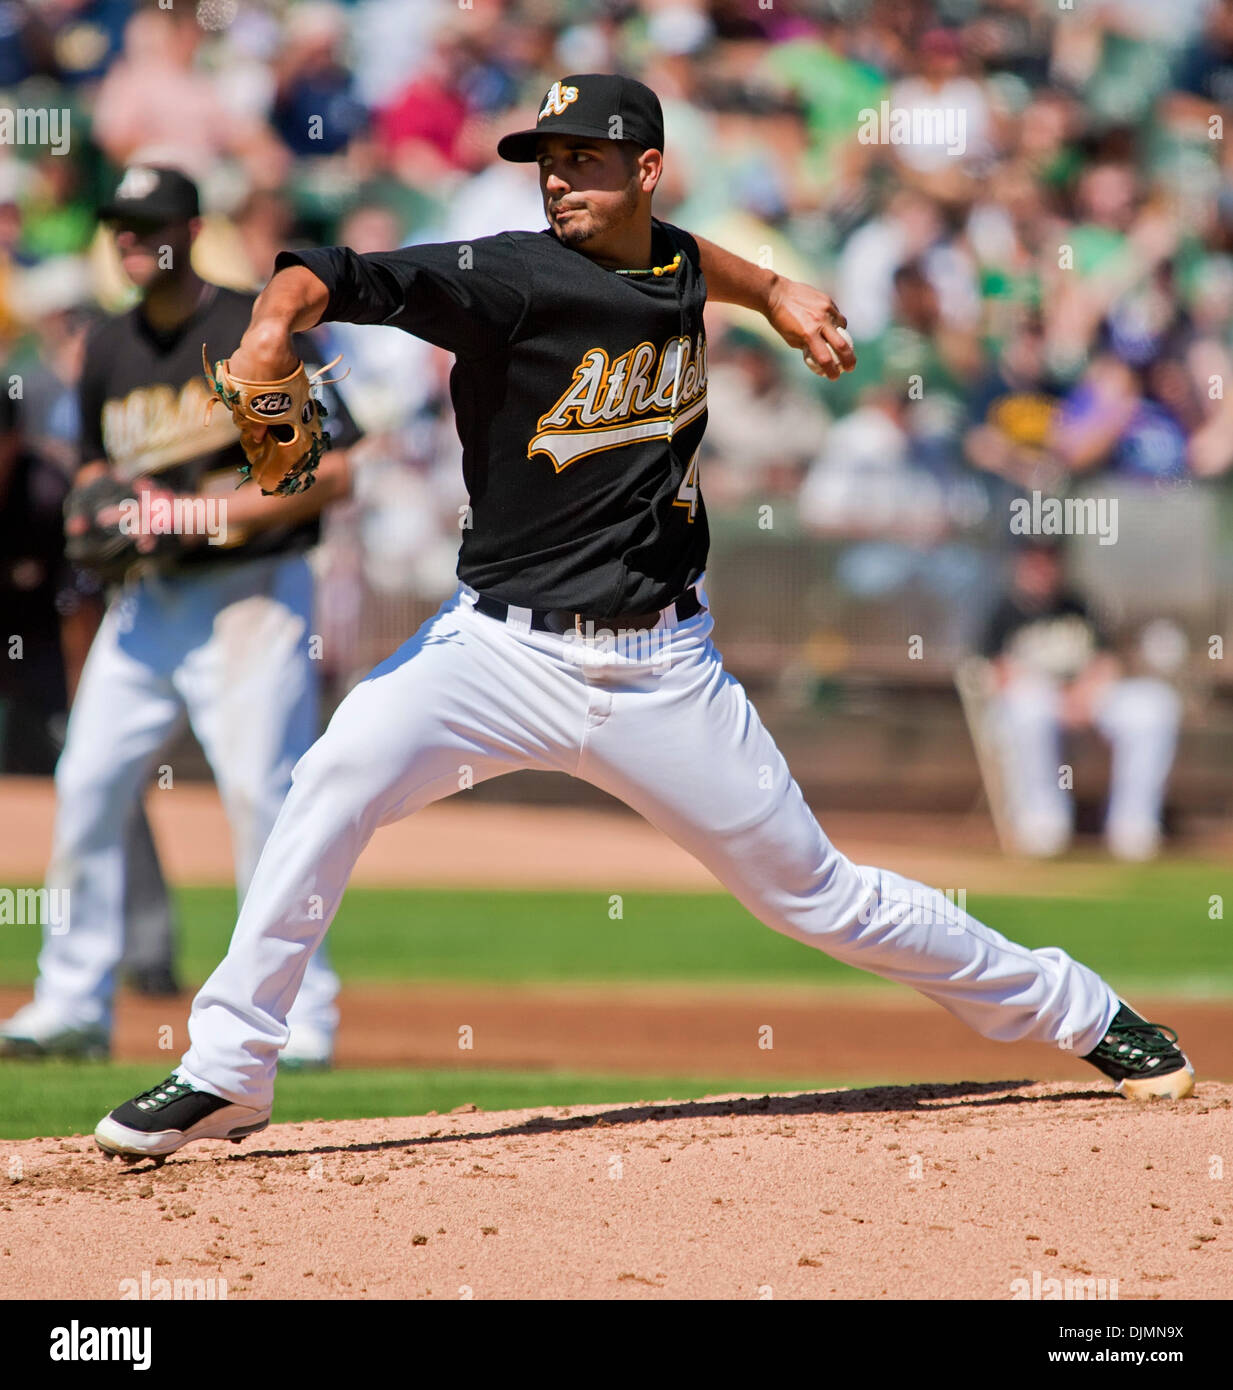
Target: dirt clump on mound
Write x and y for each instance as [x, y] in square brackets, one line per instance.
[986, 1190]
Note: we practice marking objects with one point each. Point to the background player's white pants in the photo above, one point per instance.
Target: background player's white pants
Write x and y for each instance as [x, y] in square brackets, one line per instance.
[1139, 717]
[229, 648]
[660, 724]
[149, 928]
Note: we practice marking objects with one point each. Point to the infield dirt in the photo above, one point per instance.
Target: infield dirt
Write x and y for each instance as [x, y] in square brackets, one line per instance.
[850, 1034]
[944, 1191]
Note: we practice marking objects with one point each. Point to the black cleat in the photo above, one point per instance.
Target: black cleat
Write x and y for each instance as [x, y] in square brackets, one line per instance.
[164, 1119]
[34, 1034]
[154, 981]
[1143, 1058]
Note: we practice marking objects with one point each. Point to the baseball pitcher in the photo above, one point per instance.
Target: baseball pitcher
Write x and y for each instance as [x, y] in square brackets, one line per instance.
[579, 638]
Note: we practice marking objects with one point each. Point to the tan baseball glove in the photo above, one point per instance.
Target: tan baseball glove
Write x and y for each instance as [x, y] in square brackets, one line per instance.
[284, 460]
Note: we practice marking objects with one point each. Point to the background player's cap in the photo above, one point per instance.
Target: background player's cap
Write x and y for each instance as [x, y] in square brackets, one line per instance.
[598, 104]
[149, 193]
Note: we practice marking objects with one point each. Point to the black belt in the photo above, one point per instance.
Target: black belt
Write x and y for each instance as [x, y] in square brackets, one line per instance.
[560, 620]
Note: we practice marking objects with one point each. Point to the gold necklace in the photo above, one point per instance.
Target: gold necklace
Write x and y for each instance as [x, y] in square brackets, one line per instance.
[672, 265]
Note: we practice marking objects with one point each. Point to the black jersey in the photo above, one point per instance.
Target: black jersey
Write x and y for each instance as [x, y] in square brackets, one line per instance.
[143, 411]
[1057, 637]
[580, 399]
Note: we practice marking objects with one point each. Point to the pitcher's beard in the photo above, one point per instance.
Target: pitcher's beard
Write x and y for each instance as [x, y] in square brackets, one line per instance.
[569, 235]
[577, 229]
[584, 224]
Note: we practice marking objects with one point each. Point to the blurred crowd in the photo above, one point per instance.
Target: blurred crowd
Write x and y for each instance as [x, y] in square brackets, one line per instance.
[1042, 303]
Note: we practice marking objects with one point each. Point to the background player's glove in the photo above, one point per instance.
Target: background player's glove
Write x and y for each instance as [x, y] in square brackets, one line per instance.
[284, 459]
[102, 529]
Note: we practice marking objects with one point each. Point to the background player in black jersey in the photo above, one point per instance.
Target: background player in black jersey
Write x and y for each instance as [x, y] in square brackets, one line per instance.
[1056, 669]
[216, 629]
[579, 638]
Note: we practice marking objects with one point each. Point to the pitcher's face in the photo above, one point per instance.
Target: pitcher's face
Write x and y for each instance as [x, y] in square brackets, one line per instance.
[589, 187]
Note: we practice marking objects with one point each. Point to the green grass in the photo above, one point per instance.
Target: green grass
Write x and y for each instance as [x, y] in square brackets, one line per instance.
[1150, 930]
[42, 1098]
[1147, 930]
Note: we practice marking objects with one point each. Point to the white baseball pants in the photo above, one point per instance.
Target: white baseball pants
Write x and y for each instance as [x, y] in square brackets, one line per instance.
[652, 718]
[1139, 717]
[229, 649]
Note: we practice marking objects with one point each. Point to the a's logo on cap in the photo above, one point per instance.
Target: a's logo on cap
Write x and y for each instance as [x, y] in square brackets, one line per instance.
[557, 100]
[137, 183]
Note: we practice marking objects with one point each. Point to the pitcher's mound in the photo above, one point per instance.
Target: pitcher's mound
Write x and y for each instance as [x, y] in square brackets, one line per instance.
[973, 1190]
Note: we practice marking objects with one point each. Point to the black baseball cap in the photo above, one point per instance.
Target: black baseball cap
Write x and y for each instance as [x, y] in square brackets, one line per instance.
[601, 105]
[150, 193]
